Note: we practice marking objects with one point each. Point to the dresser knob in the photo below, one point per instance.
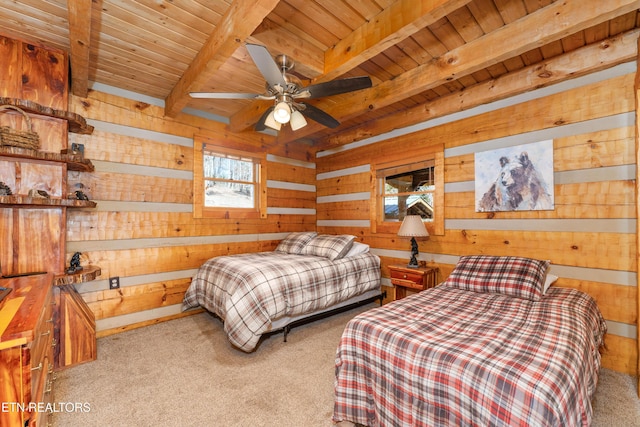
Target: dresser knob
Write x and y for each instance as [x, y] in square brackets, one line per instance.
[37, 367]
[44, 334]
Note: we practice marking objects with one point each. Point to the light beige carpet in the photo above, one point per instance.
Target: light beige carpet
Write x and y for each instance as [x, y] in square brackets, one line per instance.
[184, 373]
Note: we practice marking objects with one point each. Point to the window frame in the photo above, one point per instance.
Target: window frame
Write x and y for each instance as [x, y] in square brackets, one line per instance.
[259, 160]
[434, 154]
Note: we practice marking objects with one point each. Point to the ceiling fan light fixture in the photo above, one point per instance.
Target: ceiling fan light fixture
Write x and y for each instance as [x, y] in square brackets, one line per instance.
[271, 122]
[282, 112]
[297, 120]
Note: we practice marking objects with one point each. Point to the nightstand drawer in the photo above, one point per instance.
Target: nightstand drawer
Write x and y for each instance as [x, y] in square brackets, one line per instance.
[408, 284]
[408, 279]
[403, 275]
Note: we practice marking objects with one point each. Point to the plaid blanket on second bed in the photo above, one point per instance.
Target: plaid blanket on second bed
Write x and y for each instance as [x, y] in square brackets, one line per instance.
[449, 357]
[249, 291]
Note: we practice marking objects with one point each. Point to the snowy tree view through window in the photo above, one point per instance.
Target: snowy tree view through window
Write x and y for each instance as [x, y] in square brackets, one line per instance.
[230, 181]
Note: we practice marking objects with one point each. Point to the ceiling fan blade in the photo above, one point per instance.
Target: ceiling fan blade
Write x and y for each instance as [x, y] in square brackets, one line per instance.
[336, 87]
[223, 95]
[266, 65]
[260, 126]
[319, 116]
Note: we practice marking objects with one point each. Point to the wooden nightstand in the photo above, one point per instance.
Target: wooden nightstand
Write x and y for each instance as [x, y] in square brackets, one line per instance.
[417, 279]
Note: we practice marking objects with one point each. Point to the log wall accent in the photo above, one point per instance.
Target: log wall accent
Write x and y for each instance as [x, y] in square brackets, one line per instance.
[590, 236]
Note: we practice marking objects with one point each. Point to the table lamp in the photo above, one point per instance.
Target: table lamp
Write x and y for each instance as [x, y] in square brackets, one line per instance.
[412, 226]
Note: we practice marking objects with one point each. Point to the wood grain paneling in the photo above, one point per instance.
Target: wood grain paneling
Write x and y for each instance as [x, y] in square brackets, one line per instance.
[291, 173]
[344, 184]
[620, 354]
[112, 147]
[131, 299]
[136, 262]
[604, 199]
[44, 76]
[591, 150]
[85, 225]
[283, 198]
[132, 187]
[603, 99]
[358, 209]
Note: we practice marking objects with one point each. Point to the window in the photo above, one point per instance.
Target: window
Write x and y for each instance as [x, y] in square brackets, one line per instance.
[228, 183]
[409, 188]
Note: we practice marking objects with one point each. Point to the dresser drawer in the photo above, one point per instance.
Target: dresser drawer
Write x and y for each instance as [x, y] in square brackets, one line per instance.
[43, 396]
[43, 333]
[41, 352]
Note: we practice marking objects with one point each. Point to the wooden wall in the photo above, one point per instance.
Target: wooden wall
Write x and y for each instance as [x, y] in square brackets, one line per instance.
[590, 236]
[143, 230]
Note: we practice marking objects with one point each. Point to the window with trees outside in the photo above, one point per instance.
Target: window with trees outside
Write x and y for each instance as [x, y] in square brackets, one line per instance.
[409, 188]
[228, 183]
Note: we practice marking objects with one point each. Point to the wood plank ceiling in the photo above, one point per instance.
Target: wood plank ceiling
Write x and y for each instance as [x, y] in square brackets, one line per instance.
[426, 58]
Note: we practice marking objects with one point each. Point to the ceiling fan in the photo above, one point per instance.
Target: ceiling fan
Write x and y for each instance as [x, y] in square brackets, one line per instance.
[286, 91]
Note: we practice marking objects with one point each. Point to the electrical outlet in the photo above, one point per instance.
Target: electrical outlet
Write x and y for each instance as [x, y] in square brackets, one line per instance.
[114, 282]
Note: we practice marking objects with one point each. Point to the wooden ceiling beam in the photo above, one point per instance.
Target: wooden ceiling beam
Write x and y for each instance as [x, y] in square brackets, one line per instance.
[399, 21]
[585, 60]
[394, 24]
[79, 16]
[238, 23]
[548, 24]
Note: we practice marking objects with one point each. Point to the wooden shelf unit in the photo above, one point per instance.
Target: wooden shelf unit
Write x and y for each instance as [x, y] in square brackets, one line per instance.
[74, 162]
[19, 200]
[21, 215]
[87, 274]
[76, 123]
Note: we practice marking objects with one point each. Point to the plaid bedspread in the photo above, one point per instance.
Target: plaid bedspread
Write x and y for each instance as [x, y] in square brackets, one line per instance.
[448, 357]
[249, 291]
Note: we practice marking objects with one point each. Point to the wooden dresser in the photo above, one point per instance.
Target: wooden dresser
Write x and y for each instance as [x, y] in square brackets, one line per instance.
[27, 351]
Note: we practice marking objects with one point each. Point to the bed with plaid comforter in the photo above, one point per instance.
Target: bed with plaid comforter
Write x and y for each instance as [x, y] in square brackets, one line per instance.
[249, 291]
[450, 357]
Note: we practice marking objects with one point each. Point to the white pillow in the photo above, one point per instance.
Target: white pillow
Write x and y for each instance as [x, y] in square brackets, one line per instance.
[357, 248]
[548, 281]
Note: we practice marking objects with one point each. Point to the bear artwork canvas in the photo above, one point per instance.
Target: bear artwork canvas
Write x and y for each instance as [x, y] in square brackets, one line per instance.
[516, 178]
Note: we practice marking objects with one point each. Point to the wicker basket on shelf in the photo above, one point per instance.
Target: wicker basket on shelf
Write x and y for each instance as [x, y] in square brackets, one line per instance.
[19, 138]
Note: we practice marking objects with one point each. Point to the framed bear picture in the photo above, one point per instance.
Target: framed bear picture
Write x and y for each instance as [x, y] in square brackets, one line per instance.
[516, 178]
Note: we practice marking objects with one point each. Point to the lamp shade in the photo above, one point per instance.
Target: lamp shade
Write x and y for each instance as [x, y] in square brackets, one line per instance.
[412, 226]
[282, 112]
[297, 120]
[271, 122]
